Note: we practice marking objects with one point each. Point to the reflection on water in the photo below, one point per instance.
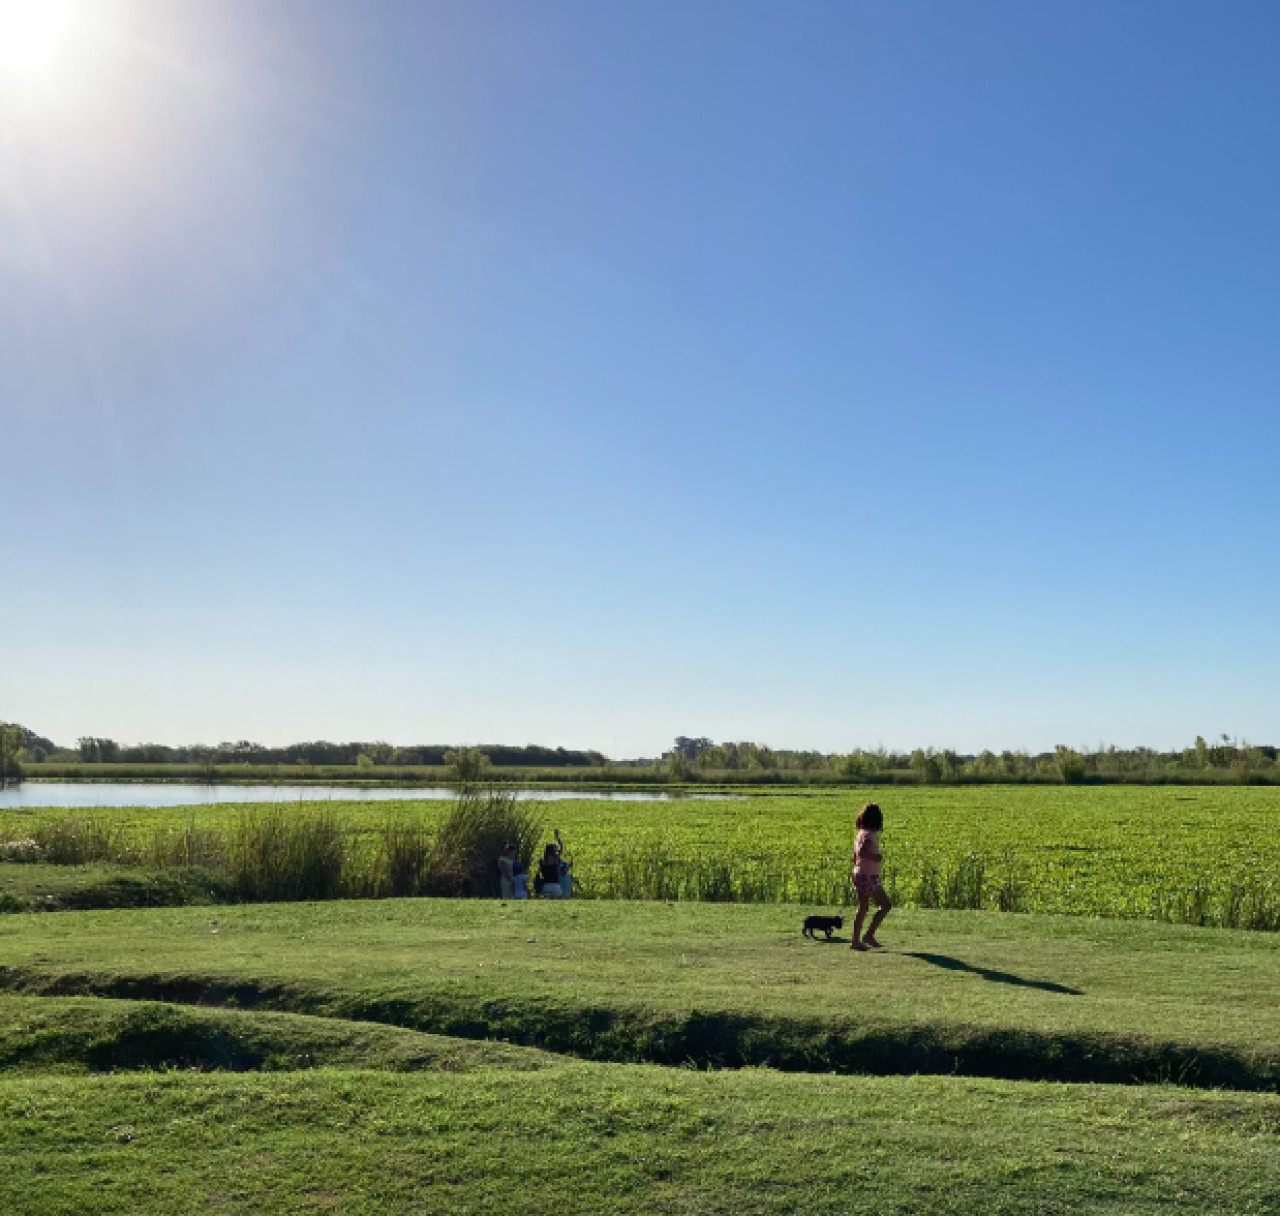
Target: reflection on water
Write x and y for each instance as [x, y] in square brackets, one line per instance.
[113, 793]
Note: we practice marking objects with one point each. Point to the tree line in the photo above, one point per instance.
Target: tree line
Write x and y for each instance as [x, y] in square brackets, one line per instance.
[699, 759]
[1226, 759]
[92, 750]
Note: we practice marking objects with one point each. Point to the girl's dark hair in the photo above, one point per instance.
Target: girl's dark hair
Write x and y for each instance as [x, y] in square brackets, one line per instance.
[870, 818]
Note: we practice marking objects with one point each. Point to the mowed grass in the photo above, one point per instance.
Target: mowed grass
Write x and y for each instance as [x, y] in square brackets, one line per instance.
[984, 993]
[54, 888]
[88, 1034]
[1199, 855]
[600, 1138]
[154, 1108]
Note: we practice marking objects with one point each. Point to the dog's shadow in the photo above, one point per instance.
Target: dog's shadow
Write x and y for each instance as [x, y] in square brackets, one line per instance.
[947, 962]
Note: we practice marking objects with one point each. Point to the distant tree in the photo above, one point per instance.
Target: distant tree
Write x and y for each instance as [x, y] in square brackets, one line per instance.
[677, 766]
[692, 749]
[467, 764]
[12, 740]
[1071, 765]
[927, 765]
[98, 751]
[986, 766]
[858, 765]
[383, 753]
[761, 757]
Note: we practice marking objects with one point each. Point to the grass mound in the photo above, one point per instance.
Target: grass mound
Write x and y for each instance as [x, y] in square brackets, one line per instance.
[86, 1034]
[717, 1039]
[619, 1141]
[727, 986]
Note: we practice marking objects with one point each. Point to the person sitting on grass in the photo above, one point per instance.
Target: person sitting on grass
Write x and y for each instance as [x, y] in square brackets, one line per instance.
[566, 868]
[866, 877]
[520, 879]
[507, 873]
[548, 884]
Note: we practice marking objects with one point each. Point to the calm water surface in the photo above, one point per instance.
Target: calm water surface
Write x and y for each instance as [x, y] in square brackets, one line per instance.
[121, 793]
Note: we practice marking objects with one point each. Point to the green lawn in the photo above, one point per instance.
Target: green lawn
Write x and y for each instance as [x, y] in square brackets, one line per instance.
[49, 888]
[1002, 995]
[90, 1034]
[348, 1105]
[600, 1138]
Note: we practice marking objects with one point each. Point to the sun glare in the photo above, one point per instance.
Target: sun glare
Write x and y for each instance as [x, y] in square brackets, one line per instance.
[31, 32]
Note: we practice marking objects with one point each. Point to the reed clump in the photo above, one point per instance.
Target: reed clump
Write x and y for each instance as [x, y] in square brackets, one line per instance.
[77, 842]
[479, 824]
[274, 855]
[457, 855]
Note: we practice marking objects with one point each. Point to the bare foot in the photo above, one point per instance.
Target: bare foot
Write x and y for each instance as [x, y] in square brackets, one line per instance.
[857, 946]
[871, 941]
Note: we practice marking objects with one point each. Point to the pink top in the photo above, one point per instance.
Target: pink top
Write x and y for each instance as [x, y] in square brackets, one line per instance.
[863, 861]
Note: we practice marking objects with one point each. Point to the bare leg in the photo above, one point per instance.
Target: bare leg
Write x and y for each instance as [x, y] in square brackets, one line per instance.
[863, 901]
[886, 906]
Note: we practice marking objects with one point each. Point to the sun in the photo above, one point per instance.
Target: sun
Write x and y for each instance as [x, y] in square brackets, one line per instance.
[31, 33]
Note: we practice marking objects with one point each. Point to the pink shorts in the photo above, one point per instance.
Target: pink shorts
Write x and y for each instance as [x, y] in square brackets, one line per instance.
[866, 884]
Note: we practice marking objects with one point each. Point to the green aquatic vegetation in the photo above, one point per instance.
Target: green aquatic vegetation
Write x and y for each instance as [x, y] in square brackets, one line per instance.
[1194, 855]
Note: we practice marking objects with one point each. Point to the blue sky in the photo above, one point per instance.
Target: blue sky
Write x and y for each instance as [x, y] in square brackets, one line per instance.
[827, 374]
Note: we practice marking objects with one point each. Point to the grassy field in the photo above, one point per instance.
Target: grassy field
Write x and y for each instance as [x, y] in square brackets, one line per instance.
[89, 1035]
[55, 888]
[307, 1080]
[988, 994]
[614, 1139]
[688, 1053]
[1193, 855]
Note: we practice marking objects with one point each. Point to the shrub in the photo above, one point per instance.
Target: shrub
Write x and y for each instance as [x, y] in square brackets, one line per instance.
[21, 850]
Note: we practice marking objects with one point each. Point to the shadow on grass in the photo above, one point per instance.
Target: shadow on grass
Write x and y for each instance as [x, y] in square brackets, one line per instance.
[996, 977]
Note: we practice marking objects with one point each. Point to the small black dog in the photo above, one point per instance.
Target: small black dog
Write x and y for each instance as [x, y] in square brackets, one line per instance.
[822, 924]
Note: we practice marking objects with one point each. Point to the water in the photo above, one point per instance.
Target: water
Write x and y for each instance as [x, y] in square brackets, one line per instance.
[122, 793]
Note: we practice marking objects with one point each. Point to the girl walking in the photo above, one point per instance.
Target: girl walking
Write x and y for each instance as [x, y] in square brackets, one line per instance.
[866, 877]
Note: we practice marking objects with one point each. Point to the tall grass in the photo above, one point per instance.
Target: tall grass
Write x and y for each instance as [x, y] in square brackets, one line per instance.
[275, 855]
[76, 842]
[187, 846]
[456, 855]
[403, 866]
[280, 854]
[474, 831]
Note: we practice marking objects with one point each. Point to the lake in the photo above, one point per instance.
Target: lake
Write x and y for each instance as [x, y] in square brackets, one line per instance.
[140, 793]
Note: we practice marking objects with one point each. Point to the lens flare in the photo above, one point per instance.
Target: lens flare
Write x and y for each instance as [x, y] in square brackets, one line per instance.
[31, 32]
